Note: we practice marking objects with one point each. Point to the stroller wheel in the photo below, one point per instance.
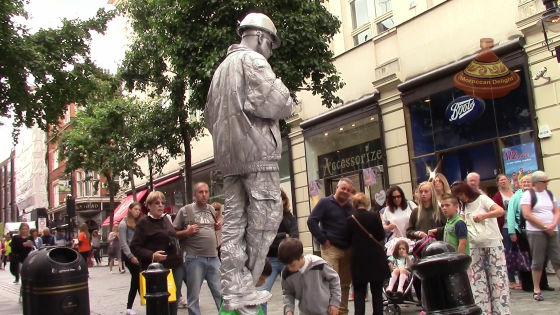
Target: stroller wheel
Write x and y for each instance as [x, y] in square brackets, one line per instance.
[392, 309]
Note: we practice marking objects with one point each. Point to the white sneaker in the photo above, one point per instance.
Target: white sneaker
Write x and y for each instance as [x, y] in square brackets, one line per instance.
[130, 312]
[182, 304]
[236, 302]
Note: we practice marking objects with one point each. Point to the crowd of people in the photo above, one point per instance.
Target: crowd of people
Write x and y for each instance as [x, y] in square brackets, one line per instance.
[359, 246]
[495, 232]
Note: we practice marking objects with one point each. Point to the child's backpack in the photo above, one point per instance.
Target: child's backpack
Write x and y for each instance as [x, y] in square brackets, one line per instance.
[421, 245]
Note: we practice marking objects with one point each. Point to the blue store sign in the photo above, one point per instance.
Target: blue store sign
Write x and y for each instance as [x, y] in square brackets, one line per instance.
[464, 109]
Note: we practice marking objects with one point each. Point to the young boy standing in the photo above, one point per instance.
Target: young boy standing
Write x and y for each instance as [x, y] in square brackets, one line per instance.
[455, 232]
[321, 282]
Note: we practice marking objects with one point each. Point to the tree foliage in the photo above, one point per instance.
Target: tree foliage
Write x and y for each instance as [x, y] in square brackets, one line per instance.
[177, 45]
[43, 72]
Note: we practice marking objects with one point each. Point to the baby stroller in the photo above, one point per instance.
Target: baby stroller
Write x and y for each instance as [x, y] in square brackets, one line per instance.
[392, 301]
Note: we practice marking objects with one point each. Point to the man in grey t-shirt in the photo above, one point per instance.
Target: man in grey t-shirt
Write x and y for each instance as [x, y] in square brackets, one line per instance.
[196, 225]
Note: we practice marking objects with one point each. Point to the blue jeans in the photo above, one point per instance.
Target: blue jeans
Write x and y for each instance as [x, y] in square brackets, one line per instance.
[199, 269]
[180, 276]
[277, 268]
[507, 249]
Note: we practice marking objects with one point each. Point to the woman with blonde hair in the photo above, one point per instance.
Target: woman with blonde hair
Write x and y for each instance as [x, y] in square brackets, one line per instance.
[441, 185]
[84, 245]
[155, 239]
[428, 217]
[126, 232]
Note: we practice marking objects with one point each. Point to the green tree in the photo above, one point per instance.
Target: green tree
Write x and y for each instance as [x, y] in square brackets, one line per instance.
[177, 45]
[98, 141]
[41, 73]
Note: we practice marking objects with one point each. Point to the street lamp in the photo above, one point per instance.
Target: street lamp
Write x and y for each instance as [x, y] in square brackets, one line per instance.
[550, 22]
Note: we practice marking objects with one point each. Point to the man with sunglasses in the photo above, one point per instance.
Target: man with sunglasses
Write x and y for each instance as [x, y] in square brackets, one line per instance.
[245, 102]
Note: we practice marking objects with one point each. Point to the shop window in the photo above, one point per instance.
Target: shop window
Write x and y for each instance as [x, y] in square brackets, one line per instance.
[350, 150]
[423, 166]
[513, 114]
[421, 127]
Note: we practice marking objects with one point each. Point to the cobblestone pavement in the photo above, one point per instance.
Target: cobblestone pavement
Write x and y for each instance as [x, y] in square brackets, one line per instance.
[108, 293]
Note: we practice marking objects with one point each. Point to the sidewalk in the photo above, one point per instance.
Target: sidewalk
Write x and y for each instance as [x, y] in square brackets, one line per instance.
[108, 294]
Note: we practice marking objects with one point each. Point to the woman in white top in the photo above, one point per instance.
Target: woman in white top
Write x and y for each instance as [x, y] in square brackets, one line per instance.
[489, 281]
[542, 217]
[397, 213]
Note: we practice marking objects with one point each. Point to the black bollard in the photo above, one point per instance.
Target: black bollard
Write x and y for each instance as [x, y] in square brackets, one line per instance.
[445, 283]
[156, 290]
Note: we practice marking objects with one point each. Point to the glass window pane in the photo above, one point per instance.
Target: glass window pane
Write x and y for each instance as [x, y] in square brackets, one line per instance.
[512, 111]
[359, 13]
[361, 37]
[448, 135]
[422, 167]
[421, 128]
[385, 25]
[382, 6]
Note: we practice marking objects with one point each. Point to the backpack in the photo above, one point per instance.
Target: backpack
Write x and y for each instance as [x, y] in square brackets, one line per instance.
[421, 245]
[190, 214]
[522, 221]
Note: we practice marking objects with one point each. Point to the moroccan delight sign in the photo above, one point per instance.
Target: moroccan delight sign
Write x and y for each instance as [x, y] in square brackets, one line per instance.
[519, 160]
[361, 156]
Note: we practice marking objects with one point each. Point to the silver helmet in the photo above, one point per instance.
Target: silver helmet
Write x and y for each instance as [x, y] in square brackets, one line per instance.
[261, 22]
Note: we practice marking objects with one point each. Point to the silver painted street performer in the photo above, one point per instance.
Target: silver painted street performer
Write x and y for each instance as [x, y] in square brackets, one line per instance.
[245, 102]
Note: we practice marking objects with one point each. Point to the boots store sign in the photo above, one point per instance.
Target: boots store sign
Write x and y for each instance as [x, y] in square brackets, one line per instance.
[464, 109]
[361, 156]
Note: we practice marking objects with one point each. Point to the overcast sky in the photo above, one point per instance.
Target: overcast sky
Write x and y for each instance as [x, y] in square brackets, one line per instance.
[107, 51]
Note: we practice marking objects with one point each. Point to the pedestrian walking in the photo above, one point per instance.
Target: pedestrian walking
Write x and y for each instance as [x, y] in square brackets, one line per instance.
[96, 246]
[47, 237]
[37, 241]
[114, 250]
[396, 217]
[441, 186]
[21, 245]
[540, 209]
[84, 245]
[126, 233]
[155, 239]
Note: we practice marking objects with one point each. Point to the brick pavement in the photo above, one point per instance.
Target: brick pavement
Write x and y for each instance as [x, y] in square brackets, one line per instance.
[108, 294]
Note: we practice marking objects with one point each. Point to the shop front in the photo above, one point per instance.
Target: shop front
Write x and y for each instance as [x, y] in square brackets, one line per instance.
[455, 133]
[346, 142]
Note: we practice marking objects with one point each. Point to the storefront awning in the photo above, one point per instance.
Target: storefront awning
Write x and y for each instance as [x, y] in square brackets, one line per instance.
[167, 181]
[122, 209]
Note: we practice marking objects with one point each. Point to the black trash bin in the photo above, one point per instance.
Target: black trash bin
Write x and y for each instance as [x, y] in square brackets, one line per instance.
[55, 281]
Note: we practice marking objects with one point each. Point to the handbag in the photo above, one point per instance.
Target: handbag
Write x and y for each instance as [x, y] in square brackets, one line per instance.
[171, 289]
[366, 231]
[517, 260]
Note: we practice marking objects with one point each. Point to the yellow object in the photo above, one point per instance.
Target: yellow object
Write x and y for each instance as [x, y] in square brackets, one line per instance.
[171, 289]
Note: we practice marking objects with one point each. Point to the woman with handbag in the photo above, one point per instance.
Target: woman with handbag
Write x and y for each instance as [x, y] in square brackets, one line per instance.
[155, 239]
[489, 281]
[539, 208]
[365, 232]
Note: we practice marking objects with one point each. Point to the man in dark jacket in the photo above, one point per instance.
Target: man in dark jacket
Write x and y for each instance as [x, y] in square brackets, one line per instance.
[331, 213]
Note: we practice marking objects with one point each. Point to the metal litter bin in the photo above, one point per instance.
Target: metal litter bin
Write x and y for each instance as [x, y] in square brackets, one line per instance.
[55, 281]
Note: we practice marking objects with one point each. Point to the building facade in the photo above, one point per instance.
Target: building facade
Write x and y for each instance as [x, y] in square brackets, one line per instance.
[398, 60]
[8, 204]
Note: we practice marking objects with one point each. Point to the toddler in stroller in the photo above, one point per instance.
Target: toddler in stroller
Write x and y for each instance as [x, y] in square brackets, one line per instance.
[400, 263]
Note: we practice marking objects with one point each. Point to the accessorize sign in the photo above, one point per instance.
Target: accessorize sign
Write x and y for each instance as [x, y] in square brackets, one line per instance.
[519, 160]
[464, 109]
[364, 155]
